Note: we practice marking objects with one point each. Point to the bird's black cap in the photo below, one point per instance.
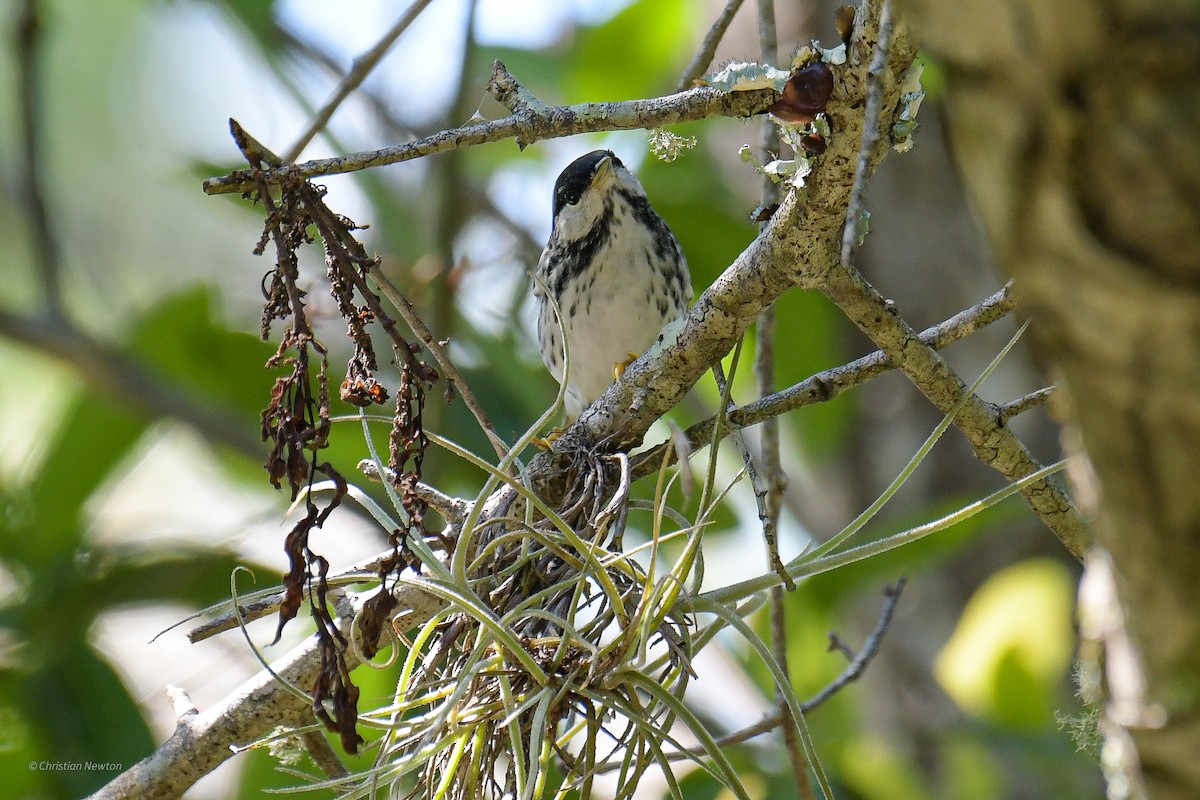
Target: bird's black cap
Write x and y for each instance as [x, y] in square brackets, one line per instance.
[575, 179]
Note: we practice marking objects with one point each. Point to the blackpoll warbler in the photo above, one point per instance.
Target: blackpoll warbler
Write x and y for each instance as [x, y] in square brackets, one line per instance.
[615, 270]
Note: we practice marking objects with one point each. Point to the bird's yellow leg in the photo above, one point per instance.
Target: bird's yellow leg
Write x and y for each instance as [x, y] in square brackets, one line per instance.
[620, 367]
[545, 442]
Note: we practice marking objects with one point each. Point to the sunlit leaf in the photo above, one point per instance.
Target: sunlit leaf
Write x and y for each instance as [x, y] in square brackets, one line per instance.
[1013, 644]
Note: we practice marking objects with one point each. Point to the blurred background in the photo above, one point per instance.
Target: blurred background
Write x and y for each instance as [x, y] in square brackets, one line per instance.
[131, 379]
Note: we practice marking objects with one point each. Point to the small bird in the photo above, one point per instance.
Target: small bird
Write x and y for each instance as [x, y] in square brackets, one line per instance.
[616, 271]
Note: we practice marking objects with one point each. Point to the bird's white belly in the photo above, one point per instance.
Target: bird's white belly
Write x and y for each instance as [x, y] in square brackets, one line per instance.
[612, 312]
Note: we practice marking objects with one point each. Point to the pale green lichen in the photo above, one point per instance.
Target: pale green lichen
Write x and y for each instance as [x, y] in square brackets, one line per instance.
[911, 95]
[287, 750]
[744, 76]
[667, 146]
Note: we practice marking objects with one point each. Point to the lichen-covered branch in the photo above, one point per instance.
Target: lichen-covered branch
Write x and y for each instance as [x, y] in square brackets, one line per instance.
[529, 123]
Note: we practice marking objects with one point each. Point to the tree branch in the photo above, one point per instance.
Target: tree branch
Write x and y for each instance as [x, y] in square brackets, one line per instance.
[708, 48]
[201, 741]
[529, 124]
[831, 383]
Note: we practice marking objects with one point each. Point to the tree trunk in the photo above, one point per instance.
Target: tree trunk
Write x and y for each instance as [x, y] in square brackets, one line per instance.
[1075, 125]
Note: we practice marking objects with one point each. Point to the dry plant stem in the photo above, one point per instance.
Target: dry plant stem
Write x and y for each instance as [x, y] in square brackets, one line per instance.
[708, 47]
[351, 252]
[761, 489]
[827, 385]
[323, 755]
[532, 122]
[359, 70]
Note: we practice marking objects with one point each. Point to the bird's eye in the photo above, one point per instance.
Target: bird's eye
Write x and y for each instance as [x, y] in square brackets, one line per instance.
[572, 198]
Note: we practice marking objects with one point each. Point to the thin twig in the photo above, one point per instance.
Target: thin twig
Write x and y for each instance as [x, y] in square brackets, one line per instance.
[870, 136]
[47, 254]
[771, 501]
[452, 509]
[1019, 406]
[826, 385]
[409, 314]
[529, 125]
[708, 47]
[380, 109]
[359, 70]
[858, 666]
[853, 671]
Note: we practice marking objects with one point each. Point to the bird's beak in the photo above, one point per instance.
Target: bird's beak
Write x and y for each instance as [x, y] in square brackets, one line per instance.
[604, 173]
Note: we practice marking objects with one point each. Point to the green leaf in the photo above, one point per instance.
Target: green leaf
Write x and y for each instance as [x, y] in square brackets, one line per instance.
[1013, 645]
[93, 438]
[215, 365]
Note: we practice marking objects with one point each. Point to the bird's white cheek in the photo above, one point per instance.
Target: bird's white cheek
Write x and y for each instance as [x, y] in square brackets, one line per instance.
[575, 222]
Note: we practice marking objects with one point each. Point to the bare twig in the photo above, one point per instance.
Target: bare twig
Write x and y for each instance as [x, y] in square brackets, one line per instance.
[853, 671]
[836, 645]
[870, 135]
[47, 254]
[531, 124]
[1030, 401]
[359, 71]
[409, 314]
[708, 47]
[771, 500]
[858, 666]
[827, 385]
[452, 509]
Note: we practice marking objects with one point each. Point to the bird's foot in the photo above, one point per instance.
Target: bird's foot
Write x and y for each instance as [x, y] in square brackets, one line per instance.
[547, 441]
[620, 367]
